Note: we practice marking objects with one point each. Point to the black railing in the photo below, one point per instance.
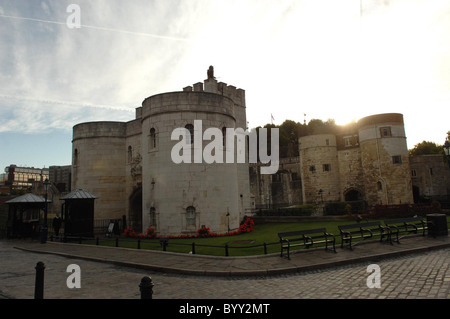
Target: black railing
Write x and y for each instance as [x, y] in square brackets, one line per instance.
[162, 244]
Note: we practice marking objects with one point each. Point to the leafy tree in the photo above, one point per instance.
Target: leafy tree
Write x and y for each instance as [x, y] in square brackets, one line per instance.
[426, 148]
[290, 131]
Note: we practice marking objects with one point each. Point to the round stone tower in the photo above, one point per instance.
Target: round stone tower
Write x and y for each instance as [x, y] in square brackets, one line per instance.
[384, 157]
[181, 164]
[98, 160]
[181, 196]
[320, 168]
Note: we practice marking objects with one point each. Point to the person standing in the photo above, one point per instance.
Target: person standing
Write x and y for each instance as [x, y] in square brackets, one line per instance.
[57, 224]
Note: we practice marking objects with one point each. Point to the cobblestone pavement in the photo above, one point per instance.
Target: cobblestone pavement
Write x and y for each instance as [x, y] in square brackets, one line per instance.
[413, 276]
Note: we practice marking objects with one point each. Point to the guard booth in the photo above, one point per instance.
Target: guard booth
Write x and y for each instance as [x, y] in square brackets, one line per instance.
[24, 214]
[78, 214]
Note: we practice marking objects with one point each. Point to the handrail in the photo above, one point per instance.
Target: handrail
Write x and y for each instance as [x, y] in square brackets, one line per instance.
[140, 241]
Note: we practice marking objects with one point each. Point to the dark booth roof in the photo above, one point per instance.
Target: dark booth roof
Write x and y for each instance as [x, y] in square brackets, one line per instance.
[28, 198]
[79, 194]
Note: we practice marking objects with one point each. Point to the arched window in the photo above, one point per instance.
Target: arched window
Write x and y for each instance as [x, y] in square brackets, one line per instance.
[379, 186]
[152, 142]
[152, 216]
[190, 128]
[190, 216]
[130, 154]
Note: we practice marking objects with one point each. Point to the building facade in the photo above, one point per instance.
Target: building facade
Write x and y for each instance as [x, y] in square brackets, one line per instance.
[366, 161]
[129, 166]
[16, 177]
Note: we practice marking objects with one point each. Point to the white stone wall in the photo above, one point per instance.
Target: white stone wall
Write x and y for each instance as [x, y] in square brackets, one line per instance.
[99, 165]
[170, 188]
[116, 161]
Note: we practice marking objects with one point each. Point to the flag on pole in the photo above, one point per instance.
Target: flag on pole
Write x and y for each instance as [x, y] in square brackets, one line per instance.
[271, 118]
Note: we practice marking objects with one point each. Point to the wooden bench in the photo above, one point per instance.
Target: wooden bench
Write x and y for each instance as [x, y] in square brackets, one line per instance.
[361, 231]
[305, 238]
[405, 226]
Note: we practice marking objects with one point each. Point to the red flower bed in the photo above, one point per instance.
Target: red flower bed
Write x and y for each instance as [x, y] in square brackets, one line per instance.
[203, 232]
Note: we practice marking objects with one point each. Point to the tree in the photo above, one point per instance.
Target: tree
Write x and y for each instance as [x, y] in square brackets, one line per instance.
[426, 148]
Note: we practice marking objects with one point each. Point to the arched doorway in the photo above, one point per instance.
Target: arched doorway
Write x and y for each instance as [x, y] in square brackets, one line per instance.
[135, 212]
[352, 195]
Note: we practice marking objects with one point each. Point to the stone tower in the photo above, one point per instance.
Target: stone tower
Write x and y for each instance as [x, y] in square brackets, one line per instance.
[181, 197]
[367, 161]
[130, 166]
[384, 158]
[98, 165]
[319, 168]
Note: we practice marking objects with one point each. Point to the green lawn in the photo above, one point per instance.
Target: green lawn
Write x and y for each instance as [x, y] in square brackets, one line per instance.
[238, 245]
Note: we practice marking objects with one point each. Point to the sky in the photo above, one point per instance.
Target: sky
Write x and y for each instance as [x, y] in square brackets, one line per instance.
[328, 59]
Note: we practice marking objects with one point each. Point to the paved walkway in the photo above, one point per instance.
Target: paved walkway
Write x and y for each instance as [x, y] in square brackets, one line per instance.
[273, 264]
[419, 267]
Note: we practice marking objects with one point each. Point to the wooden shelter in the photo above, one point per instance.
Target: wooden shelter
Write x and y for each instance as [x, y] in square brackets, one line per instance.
[24, 215]
[78, 213]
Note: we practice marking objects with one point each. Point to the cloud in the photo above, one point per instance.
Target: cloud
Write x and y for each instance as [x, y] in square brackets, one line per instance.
[29, 115]
[98, 68]
[291, 57]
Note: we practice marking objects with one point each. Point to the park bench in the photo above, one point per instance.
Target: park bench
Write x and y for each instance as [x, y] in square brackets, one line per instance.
[405, 226]
[306, 238]
[361, 231]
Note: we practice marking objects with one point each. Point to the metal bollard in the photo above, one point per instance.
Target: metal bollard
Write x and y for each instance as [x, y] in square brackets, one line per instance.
[39, 283]
[146, 288]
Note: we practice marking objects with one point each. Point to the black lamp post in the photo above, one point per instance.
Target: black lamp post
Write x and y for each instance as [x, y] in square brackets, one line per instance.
[228, 217]
[45, 227]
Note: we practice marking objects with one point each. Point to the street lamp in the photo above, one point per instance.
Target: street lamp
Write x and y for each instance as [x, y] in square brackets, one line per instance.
[45, 227]
[228, 217]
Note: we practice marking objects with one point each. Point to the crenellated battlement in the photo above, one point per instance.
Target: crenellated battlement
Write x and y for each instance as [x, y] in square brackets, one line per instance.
[211, 85]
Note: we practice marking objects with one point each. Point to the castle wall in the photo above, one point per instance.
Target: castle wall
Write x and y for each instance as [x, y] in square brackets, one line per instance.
[277, 190]
[384, 158]
[170, 188]
[98, 165]
[133, 174]
[431, 176]
[129, 166]
[320, 168]
[351, 172]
